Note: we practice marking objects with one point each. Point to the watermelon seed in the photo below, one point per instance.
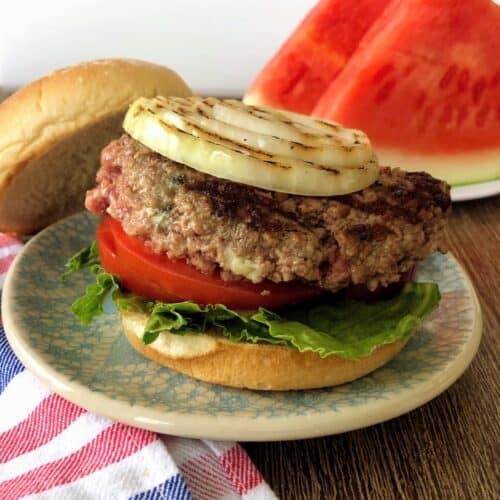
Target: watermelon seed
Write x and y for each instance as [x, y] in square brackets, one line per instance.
[446, 114]
[409, 69]
[448, 76]
[463, 80]
[426, 118]
[478, 90]
[382, 73]
[385, 91]
[420, 100]
[462, 114]
[495, 79]
[482, 115]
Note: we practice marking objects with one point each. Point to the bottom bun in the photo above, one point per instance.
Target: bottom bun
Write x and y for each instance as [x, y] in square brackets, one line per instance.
[212, 358]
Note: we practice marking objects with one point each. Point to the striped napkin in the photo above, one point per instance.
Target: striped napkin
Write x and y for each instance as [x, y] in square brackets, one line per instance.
[52, 449]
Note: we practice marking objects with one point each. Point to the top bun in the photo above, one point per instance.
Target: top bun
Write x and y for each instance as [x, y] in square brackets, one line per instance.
[52, 132]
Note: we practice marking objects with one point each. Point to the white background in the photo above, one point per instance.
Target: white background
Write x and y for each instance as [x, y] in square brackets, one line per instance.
[217, 46]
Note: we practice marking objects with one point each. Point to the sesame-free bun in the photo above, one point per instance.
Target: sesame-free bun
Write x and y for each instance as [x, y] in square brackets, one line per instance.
[52, 132]
[212, 358]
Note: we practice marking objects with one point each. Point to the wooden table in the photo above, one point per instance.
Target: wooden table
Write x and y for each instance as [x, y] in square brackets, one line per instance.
[444, 450]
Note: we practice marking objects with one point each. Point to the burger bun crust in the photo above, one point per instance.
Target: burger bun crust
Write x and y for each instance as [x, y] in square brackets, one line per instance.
[212, 358]
[53, 130]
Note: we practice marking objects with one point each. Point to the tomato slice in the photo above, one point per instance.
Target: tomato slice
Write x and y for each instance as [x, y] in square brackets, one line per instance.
[157, 277]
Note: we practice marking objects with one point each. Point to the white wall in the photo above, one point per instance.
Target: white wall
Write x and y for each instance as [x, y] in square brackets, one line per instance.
[218, 46]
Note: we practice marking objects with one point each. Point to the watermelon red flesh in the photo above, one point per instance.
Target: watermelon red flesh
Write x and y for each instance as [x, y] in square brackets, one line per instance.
[314, 55]
[425, 78]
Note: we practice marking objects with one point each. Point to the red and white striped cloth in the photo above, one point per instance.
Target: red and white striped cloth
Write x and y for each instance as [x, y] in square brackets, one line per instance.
[52, 449]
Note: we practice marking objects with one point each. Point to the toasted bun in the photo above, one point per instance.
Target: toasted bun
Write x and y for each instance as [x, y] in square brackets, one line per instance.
[52, 132]
[212, 358]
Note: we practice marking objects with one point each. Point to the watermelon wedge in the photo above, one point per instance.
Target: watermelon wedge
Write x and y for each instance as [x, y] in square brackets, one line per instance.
[424, 84]
[314, 55]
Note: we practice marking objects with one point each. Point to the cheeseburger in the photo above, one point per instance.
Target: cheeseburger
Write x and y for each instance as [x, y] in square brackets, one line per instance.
[253, 247]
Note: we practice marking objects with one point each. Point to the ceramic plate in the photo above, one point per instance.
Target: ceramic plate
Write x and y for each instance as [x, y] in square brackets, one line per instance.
[96, 368]
[475, 191]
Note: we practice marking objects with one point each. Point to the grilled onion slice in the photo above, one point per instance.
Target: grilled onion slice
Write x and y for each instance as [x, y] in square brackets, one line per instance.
[258, 146]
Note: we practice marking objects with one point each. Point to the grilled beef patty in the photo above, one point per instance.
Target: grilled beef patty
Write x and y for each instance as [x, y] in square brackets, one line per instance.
[368, 237]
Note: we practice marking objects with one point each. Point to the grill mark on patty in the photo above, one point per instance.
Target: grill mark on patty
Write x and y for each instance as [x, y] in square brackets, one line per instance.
[259, 209]
[237, 201]
[429, 190]
[408, 201]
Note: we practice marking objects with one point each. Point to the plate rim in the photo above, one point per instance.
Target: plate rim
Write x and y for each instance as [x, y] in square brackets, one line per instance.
[234, 427]
[475, 191]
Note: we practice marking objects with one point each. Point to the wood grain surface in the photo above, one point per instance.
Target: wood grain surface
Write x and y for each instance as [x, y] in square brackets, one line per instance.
[447, 449]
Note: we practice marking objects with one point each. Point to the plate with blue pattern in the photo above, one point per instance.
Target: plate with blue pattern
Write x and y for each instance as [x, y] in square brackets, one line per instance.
[96, 368]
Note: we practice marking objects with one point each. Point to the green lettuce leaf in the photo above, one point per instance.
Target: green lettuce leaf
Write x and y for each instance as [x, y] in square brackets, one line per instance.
[189, 317]
[87, 257]
[89, 306]
[352, 329]
[328, 326]
[345, 328]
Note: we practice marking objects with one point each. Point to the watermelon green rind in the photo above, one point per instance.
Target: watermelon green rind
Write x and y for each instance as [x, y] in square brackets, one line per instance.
[457, 169]
[425, 79]
[313, 56]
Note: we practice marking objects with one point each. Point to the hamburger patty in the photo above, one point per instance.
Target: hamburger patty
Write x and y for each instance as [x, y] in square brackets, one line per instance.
[368, 237]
